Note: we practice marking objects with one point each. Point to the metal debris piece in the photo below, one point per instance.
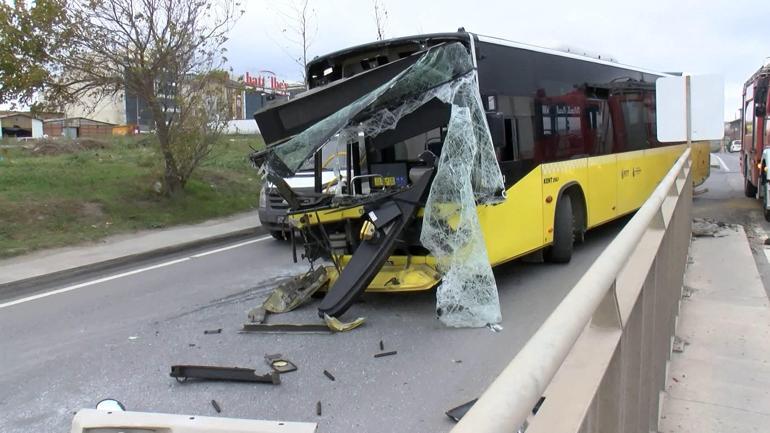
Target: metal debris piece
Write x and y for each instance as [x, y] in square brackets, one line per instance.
[280, 364]
[458, 412]
[329, 375]
[295, 328]
[382, 346]
[133, 337]
[295, 292]
[318, 408]
[216, 406]
[236, 374]
[213, 331]
[537, 405]
[494, 327]
[337, 325]
[380, 355]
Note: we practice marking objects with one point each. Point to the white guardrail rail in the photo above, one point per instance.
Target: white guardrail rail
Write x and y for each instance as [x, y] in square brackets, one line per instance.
[601, 358]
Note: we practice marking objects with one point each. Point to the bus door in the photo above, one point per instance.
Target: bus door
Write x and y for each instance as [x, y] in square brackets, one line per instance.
[629, 119]
[602, 194]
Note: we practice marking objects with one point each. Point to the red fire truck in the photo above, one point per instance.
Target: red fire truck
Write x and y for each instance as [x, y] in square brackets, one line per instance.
[755, 131]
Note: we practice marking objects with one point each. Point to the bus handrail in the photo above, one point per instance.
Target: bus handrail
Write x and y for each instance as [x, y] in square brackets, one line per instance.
[508, 401]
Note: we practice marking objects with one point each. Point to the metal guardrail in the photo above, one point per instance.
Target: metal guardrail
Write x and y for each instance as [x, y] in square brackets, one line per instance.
[601, 358]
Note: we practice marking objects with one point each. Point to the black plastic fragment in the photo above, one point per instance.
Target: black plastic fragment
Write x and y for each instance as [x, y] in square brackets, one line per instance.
[329, 375]
[380, 355]
[297, 328]
[235, 374]
[279, 363]
[382, 345]
[458, 412]
[318, 408]
[216, 406]
[213, 331]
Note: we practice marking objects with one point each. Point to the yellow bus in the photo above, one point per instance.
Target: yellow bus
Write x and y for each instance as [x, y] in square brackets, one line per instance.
[544, 145]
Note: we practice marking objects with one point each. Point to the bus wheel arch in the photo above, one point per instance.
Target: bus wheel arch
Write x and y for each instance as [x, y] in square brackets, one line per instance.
[569, 223]
[579, 209]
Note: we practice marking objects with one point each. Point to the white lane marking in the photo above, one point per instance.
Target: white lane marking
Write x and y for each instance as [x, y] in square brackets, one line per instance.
[722, 163]
[91, 283]
[230, 247]
[125, 274]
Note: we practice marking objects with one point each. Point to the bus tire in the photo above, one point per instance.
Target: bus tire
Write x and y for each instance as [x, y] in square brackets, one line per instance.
[748, 188]
[278, 235]
[563, 232]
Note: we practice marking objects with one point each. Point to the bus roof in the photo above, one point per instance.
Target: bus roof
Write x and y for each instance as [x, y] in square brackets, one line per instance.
[465, 37]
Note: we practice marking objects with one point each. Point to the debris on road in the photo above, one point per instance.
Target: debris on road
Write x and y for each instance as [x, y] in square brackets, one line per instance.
[299, 328]
[706, 227]
[337, 325]
[318, 408]
[458, 412]
[213, 331]
[216, 406]
[700, 191]
[382, 345]
[132, 338]
[280, 364]
[494, 327]
[380, 355]
[329, 375]
[678, 345]
[257, 315]
[295, 292]
[236, 374]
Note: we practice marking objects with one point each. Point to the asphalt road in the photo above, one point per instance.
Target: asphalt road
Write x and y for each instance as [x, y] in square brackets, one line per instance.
[722, 199]
[117, 335]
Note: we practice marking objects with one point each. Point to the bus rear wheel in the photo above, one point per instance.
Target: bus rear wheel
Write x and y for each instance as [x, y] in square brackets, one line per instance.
[563, 232]
[748, 188]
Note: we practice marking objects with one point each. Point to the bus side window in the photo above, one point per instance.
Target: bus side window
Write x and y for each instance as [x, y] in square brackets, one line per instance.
[635, 125]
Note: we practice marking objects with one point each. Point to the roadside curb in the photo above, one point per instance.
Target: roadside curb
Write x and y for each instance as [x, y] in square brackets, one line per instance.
[9, 290]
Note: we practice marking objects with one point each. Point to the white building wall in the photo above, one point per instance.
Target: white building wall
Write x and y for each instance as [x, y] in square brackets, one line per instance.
[110, 109]
[37, 128]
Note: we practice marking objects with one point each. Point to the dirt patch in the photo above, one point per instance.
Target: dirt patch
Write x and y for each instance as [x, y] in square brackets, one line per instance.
[62, 146]
[92, 210]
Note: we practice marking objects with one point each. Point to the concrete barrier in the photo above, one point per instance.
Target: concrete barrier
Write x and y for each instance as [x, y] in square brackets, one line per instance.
[600, 358]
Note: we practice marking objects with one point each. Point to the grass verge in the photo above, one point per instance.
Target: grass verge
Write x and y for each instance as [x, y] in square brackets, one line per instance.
[53, 197]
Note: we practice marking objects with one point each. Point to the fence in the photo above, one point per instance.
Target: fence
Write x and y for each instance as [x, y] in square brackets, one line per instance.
[600, 359]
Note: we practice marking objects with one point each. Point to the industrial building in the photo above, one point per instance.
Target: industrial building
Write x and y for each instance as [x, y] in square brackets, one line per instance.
[21, 125]
[76, 127]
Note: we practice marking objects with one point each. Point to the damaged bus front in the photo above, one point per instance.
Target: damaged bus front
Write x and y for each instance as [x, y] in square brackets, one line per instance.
[458, 152]
[399, 219]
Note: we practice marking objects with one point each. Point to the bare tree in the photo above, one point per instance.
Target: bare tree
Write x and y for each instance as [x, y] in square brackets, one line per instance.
[380, 18]
[300, 29]
[165, 53]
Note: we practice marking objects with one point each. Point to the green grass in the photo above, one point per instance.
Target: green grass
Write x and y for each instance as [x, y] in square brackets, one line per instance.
[65, 199]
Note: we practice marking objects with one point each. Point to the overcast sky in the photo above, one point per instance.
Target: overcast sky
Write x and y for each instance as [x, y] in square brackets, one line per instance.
[731, 38]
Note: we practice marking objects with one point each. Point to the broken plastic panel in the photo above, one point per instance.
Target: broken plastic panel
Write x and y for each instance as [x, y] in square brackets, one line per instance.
[467, 172]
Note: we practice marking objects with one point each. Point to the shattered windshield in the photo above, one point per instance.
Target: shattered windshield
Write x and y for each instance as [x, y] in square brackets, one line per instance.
[467, 172]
